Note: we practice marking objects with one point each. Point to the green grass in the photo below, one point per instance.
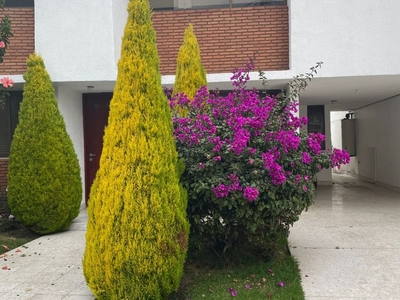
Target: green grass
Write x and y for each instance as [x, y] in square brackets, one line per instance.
[11, 242]
[253, 279]
[14, 237]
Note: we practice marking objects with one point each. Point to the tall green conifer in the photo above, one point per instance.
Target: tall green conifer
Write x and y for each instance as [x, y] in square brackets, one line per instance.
[190, 74]
[137, 230]
[44, 182]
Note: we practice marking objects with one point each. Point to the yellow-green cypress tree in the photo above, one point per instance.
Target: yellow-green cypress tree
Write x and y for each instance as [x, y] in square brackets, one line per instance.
[136, 237]
[190, 74]
[44, 182]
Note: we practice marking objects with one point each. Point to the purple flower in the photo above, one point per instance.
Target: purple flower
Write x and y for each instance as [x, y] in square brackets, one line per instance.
[217, 158]
[234, 187]
[268, 160]
[248, 286]
[297, 178]
[201, 166]
[232, 291]
[240, 140]
[314, 142]
[233, 177]
[306, 158]
[305, 189]
[221, 191]
[277, 174]
[250, 193]
[339, 157]
[305, 177]
[280, 284]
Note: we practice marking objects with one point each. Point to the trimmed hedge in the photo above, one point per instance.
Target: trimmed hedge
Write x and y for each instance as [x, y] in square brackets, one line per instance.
[44, 183]
[137, 232]
[190, 74]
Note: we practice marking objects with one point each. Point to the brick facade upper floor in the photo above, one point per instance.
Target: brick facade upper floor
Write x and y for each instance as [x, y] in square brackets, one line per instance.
[227, 37]
[22, 43]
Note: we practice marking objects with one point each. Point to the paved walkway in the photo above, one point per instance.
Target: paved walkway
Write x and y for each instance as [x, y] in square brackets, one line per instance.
[48, 268]
[348, 243]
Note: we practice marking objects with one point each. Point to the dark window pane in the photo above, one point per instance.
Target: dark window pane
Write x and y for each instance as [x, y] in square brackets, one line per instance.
[19, 3]
[8, 121]
[316, 120]
[199, 4]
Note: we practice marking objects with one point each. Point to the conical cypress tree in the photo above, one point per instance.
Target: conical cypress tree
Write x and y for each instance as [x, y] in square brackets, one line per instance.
[190, 74]
[137, 230]
[44, 183]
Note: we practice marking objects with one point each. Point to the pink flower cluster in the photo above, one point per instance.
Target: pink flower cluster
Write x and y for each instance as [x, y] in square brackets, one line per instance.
[7, 82]
[339, 157]
[248, 135]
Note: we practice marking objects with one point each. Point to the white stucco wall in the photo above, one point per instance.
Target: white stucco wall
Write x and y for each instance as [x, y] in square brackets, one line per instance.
[70, 105]
[336, 128]
[81, 40]
[377, 130]
[351, 37]
[76, 39]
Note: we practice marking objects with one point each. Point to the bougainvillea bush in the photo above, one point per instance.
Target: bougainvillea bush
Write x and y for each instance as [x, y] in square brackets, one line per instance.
[250, 170]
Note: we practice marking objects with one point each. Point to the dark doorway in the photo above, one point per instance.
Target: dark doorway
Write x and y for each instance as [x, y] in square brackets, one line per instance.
[95, 118]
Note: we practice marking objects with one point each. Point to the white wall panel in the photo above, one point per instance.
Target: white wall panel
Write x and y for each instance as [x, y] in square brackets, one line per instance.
[70, 105]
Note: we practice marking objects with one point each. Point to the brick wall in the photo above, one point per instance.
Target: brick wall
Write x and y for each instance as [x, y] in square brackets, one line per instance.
[227, 37]
[3, 174]
[22, 43]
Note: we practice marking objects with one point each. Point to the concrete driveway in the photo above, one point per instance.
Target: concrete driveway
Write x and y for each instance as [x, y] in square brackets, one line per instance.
[348, 243]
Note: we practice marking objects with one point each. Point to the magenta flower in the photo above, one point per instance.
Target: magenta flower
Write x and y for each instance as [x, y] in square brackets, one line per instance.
[297, 178]
[250, 193]
[306, 158]
[217, 158]
[305, 189]
[339, 157]
[232, 291]
[233, 177]
[221, 191]
[201, 166]
[281, 284]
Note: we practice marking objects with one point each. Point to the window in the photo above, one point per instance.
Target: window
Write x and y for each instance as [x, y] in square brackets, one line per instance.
[8, 121]
[19, 3]
[198, 4]
[316, 120]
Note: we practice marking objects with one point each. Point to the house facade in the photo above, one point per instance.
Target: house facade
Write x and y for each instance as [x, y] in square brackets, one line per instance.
[356, 40]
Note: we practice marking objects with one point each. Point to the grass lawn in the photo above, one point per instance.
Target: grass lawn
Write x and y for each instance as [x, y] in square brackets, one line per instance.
[15, 237]
[277, 277]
